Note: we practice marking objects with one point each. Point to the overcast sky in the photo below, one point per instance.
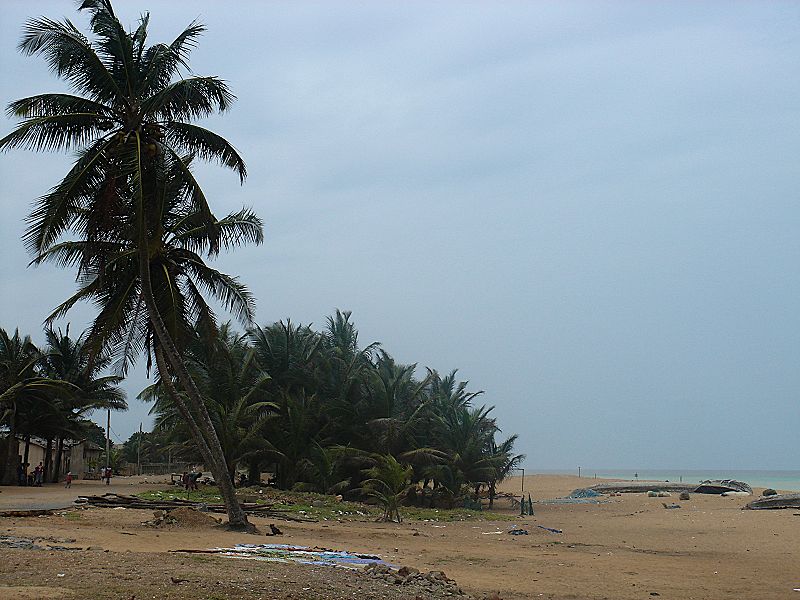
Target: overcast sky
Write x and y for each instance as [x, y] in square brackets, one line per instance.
[590, 209]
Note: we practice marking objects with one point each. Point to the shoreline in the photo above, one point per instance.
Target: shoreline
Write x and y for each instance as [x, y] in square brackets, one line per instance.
[786, 480]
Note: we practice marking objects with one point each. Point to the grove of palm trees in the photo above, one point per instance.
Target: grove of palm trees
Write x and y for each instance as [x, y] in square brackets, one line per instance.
[312, 407]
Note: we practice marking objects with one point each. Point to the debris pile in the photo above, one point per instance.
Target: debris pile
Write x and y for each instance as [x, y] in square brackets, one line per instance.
[185, 516]
[435, 583]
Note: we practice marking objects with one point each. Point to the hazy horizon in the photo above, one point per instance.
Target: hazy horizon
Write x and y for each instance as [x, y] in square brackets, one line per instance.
[589, 209]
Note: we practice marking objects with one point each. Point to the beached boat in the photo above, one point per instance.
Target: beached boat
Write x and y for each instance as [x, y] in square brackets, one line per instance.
[633, 487]
[720, 486]
[716, 486]
[775, 502]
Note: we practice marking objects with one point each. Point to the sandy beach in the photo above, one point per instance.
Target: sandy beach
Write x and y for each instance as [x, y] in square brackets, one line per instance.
[628, 547]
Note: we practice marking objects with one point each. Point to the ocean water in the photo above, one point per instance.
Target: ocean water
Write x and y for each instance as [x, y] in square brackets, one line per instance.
[779, 480]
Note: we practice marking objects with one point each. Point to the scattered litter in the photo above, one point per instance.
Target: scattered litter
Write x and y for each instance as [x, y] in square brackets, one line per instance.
[299, 554]
[518, 532]
[491, 532]
[60, 574]
[119, 508]
[550, 529]
[19, 543]
[669, 506]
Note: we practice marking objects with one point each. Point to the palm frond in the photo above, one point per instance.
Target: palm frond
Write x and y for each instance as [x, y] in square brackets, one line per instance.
[43, 105]
[55, 132]
[70, 56]
[187, 137]
[233, 294]
[189, 99]
[160, 62]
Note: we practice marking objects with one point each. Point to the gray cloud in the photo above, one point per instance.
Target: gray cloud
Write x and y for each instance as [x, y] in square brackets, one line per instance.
[589, 208]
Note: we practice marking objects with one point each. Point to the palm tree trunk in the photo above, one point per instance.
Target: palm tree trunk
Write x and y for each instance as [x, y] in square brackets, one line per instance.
[221, 476]
[236, 516]
[48, 459]
[254, 471]
[166, 380]
[25, 456]
[12, 454]
[59, 459]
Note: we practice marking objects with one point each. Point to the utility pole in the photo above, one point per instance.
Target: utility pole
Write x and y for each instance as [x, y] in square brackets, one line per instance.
[108, 441]
[139, 452]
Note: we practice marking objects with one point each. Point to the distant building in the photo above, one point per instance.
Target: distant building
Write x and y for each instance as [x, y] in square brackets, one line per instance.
[82, 457]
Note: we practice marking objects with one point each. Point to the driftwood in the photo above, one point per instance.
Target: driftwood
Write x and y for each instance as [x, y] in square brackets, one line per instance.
[775, 502]
[118, 500]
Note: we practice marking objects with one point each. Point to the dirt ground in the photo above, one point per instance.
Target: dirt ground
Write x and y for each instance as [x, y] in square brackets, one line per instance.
[627, 548]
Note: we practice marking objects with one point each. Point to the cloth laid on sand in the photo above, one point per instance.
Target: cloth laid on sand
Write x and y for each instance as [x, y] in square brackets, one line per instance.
[585, 493]
[579, 496]
[301, 554]
[569, 500]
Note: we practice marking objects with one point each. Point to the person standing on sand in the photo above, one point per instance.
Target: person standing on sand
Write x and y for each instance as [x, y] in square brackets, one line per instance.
[37, 475]
[21, 474]
[108, 475]
[68, 480]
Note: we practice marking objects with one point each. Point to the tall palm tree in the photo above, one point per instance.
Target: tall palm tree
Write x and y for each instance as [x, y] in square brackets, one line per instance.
[131, 125]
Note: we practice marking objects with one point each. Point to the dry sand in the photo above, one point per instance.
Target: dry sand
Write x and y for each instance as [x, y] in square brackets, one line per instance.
[630, 547]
